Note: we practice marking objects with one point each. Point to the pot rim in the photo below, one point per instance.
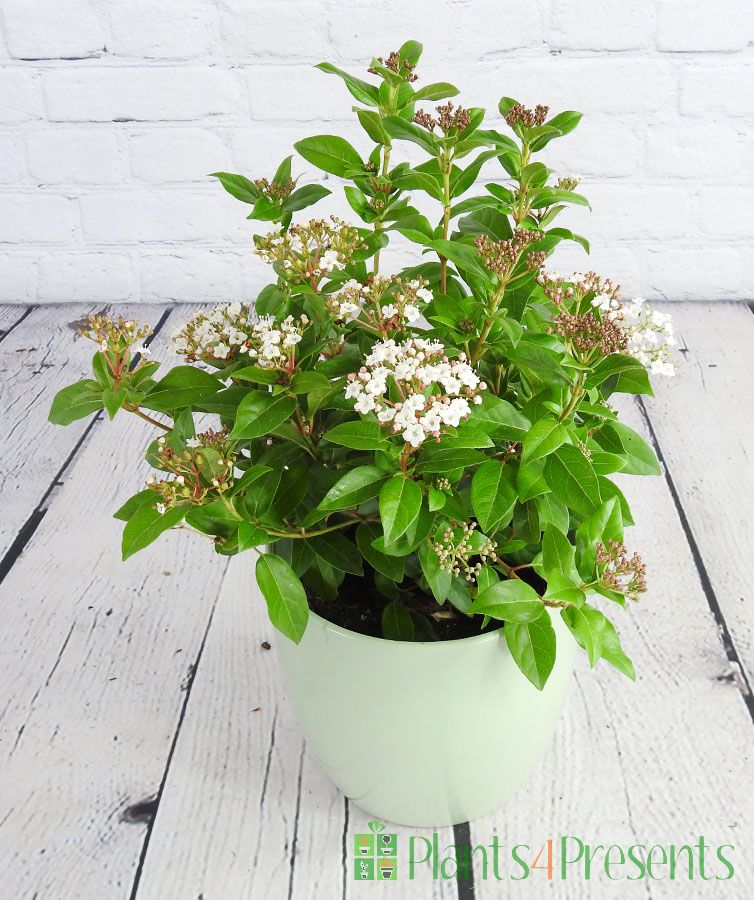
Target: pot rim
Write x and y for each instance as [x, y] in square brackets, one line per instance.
[420, 646]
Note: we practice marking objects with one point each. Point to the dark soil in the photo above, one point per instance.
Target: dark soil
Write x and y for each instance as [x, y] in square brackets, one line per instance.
[359, 605]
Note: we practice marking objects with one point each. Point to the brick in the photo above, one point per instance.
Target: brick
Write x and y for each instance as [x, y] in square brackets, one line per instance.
[256, 151]
[610, 84]
[586, 25]
[195, 276]
[721, 90]
[183, 154]
[74, 156]
[297, 93]
[622, 212]
[18, 277]
[457, 31]
[12, 167]
[41, 29]
[724, 25]
[600, 146]
[694, 148]
[136, 216]
[276, 30]
[726, 211]
[140, 93]
[700, 272]
[163, 29]
[90, 277]
[20, 96]
[38, 219]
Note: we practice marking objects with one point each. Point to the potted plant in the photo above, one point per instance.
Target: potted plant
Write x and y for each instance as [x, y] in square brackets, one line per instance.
[420, 460]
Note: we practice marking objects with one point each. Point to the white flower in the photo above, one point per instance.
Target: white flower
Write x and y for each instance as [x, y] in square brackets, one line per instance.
[411, 313]
[389, 310]
[438, 391]
[329, 260]
[160, 507]
[650, 335]
[221, 350]
[424, 294]
[141, 349]
[193, 443]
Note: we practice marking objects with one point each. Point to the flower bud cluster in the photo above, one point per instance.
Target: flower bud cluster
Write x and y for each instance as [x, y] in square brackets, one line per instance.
[228, 330]
[529, 118]
[400, 66]
[275, 190]
[455, 551]
[449, 118]
[621, 572]
[306, 253]
[435, 392]
[115, 335]
[205, 464]
[501, 256]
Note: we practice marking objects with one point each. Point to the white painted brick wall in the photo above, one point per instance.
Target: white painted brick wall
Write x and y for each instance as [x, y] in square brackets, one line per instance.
[113, 112]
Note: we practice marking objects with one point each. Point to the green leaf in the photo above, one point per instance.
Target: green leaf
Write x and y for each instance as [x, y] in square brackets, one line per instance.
[437, 91]
[628, 375]
[182, 386]
[305, 196]
[406, 131]
[113, 400]
[604, 523]
[441, 460]
[134, 503]
[640, 457]
[612, 651]
[438, 579]
[532, 646]
[558, 555]
[76, 401]
[492, 496]
[147, 524]
[400, 503]
[330, 153]
[238, 186]
[287, 605]
[461, 256]
[338, 551]
[371, 122]
[583, 622]
[391, 567]
[355, 487]
[361, 90]
[544, 437]
[499, 418]
[357, 435]
[397, 624]
[573, 480]
[259, 413]
[411, 51]
[509, 601]
[548, 196]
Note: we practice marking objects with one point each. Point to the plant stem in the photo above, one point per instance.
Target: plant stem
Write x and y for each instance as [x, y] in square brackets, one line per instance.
[576, 394]
[446, 165]
[386, 148]
[142, 415]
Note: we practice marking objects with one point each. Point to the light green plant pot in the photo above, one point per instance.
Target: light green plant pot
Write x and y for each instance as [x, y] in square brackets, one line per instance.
[422, 734]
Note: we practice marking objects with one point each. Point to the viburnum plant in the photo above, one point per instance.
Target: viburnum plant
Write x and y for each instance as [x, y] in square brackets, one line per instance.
[442, 433]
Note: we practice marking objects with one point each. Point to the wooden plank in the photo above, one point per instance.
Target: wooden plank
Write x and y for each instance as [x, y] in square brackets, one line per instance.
[97, 662]
[37, 358]
[272, 824]
[704, 424]
[663, 760]
[10, 316]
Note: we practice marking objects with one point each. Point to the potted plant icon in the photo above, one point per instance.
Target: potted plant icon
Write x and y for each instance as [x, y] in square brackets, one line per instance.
[387, 869]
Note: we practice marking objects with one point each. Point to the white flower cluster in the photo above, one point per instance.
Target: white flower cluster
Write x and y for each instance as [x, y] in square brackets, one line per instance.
[650, 332]
[229, 330]
[436, 392]
[384, 301]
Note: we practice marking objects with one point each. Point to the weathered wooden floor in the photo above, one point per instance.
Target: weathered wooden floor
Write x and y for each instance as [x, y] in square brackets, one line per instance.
[147, 751]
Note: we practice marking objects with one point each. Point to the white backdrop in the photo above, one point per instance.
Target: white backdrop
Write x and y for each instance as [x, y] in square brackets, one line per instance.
[112, 112]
